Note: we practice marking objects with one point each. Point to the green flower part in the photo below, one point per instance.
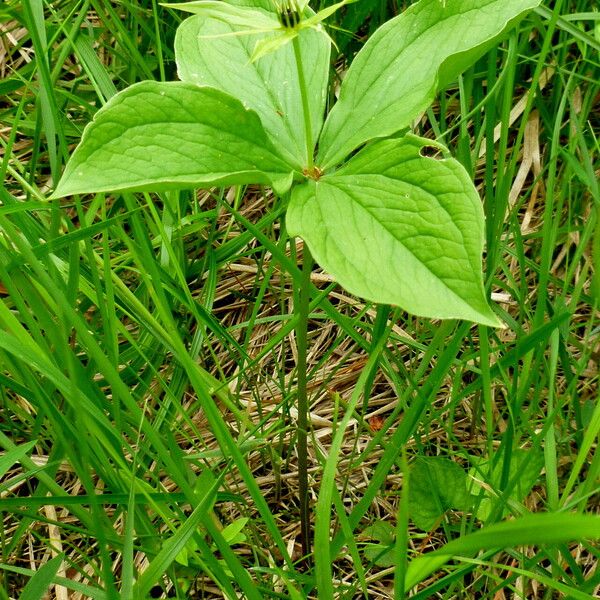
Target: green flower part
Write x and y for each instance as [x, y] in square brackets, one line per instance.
[283, 24]
[289, 13]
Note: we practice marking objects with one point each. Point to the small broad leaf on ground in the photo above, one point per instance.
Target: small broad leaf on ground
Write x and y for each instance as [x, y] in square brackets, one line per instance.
[233, 532]
[542, 528]
[396, 227]
[157, 136]
[437, 485]
[395, 76]
[380, 553]
[209, 52]
[524, 471]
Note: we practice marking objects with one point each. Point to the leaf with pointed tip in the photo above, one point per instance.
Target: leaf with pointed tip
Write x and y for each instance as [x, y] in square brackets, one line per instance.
[244, 17]
[157, 136]
[396, 227]
[533, 529]
[325, 13]
[437, 484]
[397, 73]
[272, 43]
[524, 471]
[208, 53]
[41, 580]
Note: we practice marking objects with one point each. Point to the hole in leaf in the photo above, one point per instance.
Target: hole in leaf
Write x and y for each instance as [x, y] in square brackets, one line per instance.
[431, 152]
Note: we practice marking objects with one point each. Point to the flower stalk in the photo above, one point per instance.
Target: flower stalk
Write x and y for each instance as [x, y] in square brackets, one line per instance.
[302, 333]
[305, 107]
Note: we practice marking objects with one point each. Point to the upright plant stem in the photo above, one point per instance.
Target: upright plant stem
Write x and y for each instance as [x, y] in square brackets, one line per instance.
[303, 408]
[301, 332]
[305, 106]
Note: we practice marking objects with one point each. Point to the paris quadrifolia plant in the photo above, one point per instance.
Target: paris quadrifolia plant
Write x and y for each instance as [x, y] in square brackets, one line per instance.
[389, 221]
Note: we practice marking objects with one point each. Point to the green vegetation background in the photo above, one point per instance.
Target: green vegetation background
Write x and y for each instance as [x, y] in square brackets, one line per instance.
[127, 321]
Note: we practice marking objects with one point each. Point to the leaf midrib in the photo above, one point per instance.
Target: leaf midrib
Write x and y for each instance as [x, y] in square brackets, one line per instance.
[126, 129]
[274, 104]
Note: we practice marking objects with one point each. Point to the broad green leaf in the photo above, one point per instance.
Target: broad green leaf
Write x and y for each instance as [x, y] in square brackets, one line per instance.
[381, 555]
[380, 531]
[395, 76]
[524, 471]
[382, 552]
[158, 136]
[233, 532]
[269, 85]
[437, 484]
[398, 228]
[244, 17]
[548, 528]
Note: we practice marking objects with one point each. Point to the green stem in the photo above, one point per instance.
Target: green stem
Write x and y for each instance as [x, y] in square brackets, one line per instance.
[301, 334]
[305, 105]
[302, 310]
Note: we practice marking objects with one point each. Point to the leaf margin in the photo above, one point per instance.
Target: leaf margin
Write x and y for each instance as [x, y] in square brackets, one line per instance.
[333, 148]
[73, 178]
[316, 231]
